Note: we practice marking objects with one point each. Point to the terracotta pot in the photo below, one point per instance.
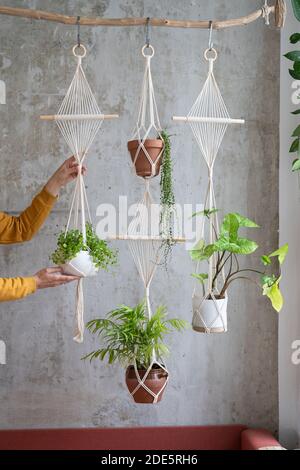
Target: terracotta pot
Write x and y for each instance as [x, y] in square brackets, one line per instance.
[155, 382]
[142, 165]
[209, 316]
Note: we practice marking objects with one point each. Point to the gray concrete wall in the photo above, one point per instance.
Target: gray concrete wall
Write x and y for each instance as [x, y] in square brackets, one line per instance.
[228, 378]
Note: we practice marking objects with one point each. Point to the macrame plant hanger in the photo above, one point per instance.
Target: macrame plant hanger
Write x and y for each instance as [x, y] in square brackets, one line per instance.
[209, 120]
[143, 232]
[79, 119]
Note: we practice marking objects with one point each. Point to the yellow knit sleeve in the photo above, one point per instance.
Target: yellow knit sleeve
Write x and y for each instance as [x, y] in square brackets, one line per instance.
[16, 288]
[26, 225]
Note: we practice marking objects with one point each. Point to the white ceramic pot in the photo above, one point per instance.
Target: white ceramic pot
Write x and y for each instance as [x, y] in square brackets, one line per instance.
[82, 265]
[209, 316]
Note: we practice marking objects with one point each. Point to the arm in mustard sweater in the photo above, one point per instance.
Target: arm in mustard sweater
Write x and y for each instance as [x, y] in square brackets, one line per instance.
[18, 230]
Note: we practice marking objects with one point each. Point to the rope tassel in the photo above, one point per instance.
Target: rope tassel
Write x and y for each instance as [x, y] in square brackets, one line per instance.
[79, 328]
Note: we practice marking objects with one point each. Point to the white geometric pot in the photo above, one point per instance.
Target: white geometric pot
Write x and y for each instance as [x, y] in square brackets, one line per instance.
[209, 315]
[82, 265]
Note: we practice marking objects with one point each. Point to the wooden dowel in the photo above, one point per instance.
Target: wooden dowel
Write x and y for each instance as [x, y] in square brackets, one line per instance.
[209, 120]
[99, 21]
[77, 117]
[145, 238]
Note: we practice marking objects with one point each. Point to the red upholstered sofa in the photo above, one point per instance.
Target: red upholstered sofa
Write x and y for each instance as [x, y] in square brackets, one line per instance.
[231, 437]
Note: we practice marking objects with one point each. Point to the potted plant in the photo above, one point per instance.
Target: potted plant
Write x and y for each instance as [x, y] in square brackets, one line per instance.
[79, 258]
[132, 339]
[226, 250]
[145, 153]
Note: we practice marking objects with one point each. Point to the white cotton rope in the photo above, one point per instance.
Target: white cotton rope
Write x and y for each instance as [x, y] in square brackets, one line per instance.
[148, 123]
[147, 254]
[209, 119]
[79, 119]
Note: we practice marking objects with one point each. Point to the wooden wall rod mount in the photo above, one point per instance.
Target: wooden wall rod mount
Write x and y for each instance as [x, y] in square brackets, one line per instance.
[278, 10]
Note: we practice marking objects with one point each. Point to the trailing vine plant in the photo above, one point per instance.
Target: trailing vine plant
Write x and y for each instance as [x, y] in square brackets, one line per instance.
[294, 56]
[167, 199]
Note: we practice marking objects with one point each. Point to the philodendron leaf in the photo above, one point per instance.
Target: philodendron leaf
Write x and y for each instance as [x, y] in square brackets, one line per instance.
[295, 38]
[297, 67]
[200, 277]
[294, 73]
[274, 294]
[294, 56]
[296, 132]
[296, 112]
[265, 260]
[245, 246]
[244, 222]
[280, 253]
[294, 146]
[230, 227]
[296, 8]
[296, 165]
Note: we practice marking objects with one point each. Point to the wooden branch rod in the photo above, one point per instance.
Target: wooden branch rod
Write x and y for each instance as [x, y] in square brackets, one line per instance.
[278, 10]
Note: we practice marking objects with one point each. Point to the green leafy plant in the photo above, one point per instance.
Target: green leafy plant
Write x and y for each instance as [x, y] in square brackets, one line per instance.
[129, 335]
[229, 245]
[71, 243]
[294, 56]
[167, 198]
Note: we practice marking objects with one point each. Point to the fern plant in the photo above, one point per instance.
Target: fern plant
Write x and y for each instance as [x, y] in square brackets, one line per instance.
[129, 336]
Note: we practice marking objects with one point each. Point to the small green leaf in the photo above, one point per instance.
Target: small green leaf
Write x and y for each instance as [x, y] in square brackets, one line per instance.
[296, 165]
[296, 132]
[274, 294]
[294, 146]
[294, 56]
[296, 112]
[206, 212]
[297, 67]
[281, 253]
[295, 38]
[294, 74]
[296, 8]
[265, 260]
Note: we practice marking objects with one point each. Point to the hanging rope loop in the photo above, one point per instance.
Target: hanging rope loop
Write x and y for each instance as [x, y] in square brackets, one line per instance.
[76, 50]
[266, 10]
[150, 48]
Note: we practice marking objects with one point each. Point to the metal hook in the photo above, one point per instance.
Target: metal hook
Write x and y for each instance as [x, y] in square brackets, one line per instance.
[78, 31]
[210, 43]
[148, 32]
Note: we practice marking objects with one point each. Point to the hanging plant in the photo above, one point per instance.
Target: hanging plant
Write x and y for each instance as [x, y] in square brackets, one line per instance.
[131, 338]
[79, 258]
[167, 199]
[227, 249]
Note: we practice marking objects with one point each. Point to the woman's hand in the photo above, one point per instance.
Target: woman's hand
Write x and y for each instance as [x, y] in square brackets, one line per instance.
[67, 172]
[52, 277]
